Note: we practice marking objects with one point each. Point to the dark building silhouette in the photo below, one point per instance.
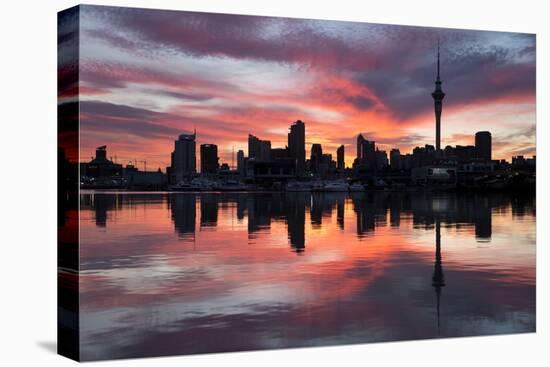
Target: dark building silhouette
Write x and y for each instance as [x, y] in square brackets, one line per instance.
[260, 214]
[369, 153]
[366, 153]
[395, 159]
[316, 156]
[100, 166]
[297, 146]
[101, 153]
[396, 206]
[340, 210]
[277, 169]
[321, 164]
[259, 149]
[316, 209]
[184, 214]
[438, 96]
[279, 153]
[423, 156]
[102, 205]
[296, 220]
[465, 153]
[381, 159]
[360, 141]
[462, 153]
[363, 206]
[184, 157]
[524, 164]
[209, 158]
[483, 218]
[241, 164]
[209, 210]
[340, 162]
[483, 145]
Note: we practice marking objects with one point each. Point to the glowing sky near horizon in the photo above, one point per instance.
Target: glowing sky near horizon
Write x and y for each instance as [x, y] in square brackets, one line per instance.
[147, 76]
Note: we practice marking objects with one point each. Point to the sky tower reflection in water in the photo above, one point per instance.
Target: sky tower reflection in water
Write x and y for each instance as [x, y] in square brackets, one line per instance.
[187, 273]
[260, 209]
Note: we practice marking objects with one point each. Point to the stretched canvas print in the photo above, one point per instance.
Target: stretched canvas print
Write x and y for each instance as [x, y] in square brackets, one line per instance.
[234, 182]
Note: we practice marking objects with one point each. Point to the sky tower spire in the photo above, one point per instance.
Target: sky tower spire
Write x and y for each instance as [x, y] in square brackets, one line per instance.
[438, 60]
[438, 96]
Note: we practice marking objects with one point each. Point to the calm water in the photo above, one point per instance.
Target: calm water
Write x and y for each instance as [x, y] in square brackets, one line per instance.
[184, 273]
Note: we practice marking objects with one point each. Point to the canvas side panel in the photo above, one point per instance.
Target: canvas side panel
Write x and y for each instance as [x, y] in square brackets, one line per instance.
[68, 183]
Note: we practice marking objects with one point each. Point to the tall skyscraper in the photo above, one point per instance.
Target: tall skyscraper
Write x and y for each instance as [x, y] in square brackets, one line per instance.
[340, 163]
[483, 145]
[366, 152]
[360, 141]
[259, 149]
[297, 146]
[381, 159]
[241, 163]
[184, 157]
[395, 159]
[438, 96]
[209, 158]
[315, 158]
[369, 154]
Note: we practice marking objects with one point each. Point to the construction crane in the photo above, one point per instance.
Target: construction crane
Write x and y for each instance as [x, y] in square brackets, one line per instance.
[134, 162]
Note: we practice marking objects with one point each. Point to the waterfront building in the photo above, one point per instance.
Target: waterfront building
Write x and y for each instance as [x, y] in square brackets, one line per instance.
[381, 159]
[360, 141]
[483, 145]
[209, 158]
[184, 158]
[315, 158]
[100, 166]
[297, 146]
[259, 149]
[279, 153]
[241, 168]
[395, 159]
[340, 162]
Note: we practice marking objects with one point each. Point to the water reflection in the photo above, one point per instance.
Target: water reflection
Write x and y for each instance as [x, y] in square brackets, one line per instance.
[240, 285]
[371, 210]
[438, 280]
[182, 209]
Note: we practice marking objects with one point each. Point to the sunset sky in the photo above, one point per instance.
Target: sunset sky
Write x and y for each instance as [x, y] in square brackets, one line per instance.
[147, 76]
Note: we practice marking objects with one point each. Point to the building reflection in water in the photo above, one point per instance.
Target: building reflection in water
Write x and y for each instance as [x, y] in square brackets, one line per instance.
[438, 280]
[102, 205]
[363, 206]
[296, 221]
[371, 210]
[483, 220]
[209, 210]
[261, 210]
[340, 211]
[183, 212]
[369, 279]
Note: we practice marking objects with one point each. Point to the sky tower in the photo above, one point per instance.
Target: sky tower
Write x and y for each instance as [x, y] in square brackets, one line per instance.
[438, 96]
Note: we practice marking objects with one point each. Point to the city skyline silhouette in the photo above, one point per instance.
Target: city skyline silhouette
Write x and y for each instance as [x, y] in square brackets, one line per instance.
[230, 183]
[350, 84]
